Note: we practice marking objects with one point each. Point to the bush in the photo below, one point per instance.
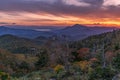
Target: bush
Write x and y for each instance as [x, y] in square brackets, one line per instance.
[116, 62]
[102, 74]
[43, 59]
[24, 65]
[59, 68]
[4, 76]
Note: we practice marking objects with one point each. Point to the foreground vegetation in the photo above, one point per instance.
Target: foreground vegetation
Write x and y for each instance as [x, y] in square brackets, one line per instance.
[94, 58]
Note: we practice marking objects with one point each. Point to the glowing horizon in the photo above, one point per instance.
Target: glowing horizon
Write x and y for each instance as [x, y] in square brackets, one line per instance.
[60, 12]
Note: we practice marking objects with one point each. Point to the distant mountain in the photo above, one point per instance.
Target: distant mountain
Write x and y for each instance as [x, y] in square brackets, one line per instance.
[77, 32]
[24, 32]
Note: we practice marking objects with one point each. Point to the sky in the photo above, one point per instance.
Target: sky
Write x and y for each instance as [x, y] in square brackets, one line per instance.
[59, 12]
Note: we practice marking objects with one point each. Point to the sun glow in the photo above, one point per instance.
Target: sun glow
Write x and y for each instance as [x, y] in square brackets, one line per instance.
[59, 12]
[45, 19]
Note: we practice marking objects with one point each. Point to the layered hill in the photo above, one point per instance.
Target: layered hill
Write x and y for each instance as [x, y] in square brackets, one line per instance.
[26, 33]
[17, 44]
[75, 32]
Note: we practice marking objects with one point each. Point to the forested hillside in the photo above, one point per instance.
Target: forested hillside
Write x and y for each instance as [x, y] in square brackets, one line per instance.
[94, 58]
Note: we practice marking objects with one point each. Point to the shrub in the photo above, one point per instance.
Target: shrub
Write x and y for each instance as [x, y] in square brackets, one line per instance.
[102, 74]
[116, 62]
[59, 68]
[4, 76]
[43, 59]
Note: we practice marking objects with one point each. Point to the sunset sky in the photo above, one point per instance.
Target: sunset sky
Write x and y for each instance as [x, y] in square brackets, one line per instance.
[59, 12]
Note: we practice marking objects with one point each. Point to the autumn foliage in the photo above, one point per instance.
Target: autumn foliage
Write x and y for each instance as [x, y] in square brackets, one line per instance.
[83, 53]
[58, 68]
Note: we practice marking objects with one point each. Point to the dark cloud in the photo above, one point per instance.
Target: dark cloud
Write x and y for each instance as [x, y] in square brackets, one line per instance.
[3, 23]
[6, 23]
[95, 3]
[58, 7]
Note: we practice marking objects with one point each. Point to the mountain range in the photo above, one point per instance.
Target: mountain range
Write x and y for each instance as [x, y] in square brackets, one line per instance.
[26, 33]
[75, 32]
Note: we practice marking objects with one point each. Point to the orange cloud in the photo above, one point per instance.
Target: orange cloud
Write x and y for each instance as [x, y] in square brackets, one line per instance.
[49, 19]
[60, 12]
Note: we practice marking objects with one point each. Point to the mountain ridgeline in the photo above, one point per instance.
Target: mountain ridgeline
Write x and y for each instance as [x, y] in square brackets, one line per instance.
[26, 33]
[75, 32]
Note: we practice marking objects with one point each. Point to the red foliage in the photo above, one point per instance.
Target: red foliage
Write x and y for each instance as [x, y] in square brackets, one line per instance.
[83, 52]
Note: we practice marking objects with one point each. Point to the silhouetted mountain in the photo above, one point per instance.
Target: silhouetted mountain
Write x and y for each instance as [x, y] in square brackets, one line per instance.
[77, 31]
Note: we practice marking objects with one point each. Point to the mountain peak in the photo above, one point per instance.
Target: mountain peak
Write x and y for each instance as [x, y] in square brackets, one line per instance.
[78, 25]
